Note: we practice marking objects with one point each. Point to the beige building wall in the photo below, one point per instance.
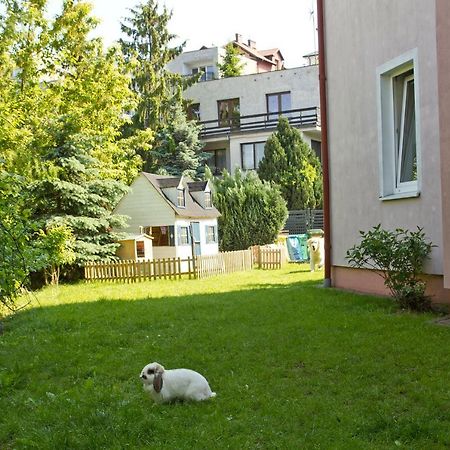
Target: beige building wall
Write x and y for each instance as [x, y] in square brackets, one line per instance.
[443, 49]
[361, 36]
[127, 250]
[302, 82]
[145, 207]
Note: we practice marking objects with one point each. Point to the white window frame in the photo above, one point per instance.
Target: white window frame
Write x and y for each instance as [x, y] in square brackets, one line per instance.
[208, 200]
[137, 250]
[181, 198]
[253, 150]
[184, 235]
[389, 142]
[211, 234]
[207, 75]
[404, 186]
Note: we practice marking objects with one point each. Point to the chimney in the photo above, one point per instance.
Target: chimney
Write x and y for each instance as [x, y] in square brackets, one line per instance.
[238, 38]
[252, 44]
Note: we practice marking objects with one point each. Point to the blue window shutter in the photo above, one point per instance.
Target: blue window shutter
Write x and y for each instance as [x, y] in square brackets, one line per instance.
[206, 234]
[171, 236]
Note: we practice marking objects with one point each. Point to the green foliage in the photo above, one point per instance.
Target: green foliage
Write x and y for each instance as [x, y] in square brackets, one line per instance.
[26, 248]
[16, 256]
[148, 50]
[398, 256]
[231, 65]
[179, 148]
[63, 99]
[291, 164]
[80, 199]
[57, 244]
[252, 212]
[55, 77]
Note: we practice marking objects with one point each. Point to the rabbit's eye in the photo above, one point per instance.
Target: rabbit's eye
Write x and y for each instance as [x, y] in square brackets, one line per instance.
[150, 371]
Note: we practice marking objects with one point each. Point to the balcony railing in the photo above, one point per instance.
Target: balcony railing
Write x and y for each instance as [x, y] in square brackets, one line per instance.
[304, 117]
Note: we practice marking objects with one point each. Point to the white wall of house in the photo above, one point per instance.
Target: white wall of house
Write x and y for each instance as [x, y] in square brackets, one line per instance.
[208, 248]
[186, 61]
[164, 252]
[251, 90]
[358, 44]
[185, 251]
[182, 251]
[248, 65]
[302, 82]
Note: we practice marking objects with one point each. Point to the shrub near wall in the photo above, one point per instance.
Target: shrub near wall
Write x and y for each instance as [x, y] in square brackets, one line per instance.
[252, 212]
[399, 257]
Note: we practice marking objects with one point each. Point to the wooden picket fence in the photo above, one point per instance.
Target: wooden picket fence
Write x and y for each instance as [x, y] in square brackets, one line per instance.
[130, 271]
[269, 258]
[127, 271]
[224, 262]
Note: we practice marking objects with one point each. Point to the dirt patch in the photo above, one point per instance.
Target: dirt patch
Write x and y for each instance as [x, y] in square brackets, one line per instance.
[444, 321]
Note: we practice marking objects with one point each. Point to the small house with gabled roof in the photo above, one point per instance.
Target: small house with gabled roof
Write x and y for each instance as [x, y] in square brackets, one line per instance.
[177, 212]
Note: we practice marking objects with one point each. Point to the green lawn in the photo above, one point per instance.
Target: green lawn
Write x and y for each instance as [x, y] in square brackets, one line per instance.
[294, 366]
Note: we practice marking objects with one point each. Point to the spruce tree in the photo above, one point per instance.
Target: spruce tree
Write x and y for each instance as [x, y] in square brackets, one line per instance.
[148, 48]
[77, 197]
[179, 148]
[291, 164]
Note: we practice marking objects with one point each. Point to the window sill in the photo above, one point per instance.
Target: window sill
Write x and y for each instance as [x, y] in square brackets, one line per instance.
[399, 196]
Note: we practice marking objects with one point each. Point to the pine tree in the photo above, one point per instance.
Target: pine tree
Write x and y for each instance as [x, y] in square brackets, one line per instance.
[179, 149]
[148, 48]
[231, 65]
[291, 164]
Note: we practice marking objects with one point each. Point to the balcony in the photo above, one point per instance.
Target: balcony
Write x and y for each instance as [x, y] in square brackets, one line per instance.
[301, 118]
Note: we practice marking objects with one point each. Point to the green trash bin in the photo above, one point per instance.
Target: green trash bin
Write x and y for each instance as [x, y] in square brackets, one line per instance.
[297, 247]
[315, 232]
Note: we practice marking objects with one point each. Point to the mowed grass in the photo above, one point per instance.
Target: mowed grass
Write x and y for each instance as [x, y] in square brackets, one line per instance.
[294, 366]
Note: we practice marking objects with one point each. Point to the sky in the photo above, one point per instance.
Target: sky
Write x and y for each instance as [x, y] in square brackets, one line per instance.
[284, 24]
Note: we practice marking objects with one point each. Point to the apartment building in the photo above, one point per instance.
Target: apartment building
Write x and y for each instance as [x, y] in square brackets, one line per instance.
[388, 99]
[238, 114]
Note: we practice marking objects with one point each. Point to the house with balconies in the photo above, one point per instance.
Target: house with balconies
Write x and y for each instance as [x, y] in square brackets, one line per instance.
[238, 114]
[206, 60]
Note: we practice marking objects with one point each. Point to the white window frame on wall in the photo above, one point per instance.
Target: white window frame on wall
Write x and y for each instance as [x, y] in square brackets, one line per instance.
[255, 163]
[181, 198]
[402, 186]
[390, 130]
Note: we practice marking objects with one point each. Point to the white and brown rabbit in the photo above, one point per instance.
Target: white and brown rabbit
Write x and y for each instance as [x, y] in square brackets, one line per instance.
[177, 384]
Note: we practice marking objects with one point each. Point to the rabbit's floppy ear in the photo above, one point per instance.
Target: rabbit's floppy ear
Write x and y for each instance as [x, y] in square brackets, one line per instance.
[157, 381]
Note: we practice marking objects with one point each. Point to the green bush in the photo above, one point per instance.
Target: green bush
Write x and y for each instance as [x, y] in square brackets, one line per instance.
[252, 211]
[398, 256]
[290, 163]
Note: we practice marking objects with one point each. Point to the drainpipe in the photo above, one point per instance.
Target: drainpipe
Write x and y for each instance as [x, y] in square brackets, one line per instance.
[324, 145]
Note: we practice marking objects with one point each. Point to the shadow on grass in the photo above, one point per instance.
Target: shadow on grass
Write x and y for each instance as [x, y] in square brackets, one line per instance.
[331, 364]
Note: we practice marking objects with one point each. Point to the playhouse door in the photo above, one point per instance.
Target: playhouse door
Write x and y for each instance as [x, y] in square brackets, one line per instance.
[195, 227]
